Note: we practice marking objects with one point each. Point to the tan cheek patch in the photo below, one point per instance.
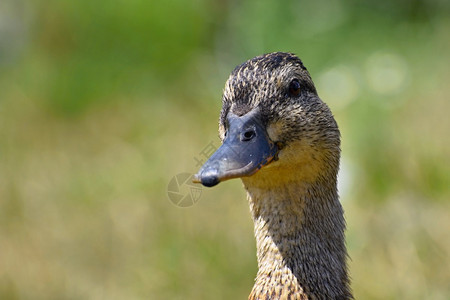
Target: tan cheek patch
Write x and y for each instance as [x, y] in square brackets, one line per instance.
[275, 130]
[221, 131]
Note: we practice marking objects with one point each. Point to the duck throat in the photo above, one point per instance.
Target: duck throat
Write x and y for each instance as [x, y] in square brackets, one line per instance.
[301, 252]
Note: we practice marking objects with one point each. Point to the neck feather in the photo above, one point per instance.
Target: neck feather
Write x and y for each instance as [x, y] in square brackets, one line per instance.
[299, 230]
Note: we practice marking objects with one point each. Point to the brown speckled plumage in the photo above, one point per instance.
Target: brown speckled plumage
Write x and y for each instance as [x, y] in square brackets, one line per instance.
[299, 222]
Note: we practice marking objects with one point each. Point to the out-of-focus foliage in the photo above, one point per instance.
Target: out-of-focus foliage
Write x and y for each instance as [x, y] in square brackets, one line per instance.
[103, 102]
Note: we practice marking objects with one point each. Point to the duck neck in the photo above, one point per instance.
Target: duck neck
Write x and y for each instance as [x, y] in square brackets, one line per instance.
[299, 232]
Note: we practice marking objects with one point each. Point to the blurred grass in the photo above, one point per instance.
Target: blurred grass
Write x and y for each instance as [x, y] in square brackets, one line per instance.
[101, 104]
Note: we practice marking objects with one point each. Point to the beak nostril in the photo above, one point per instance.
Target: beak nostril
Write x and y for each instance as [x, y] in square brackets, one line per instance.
[248, 135]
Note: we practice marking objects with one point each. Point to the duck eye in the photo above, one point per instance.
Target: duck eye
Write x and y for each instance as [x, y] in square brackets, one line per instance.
[294, 88]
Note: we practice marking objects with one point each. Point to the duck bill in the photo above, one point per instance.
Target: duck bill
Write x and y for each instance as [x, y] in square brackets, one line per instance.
[245, 149]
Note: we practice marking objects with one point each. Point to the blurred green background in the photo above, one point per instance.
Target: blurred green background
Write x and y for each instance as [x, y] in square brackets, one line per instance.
[102, 103]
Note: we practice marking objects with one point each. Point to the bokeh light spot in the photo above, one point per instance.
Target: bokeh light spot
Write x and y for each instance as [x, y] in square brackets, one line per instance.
[386, 73]
[338, 86]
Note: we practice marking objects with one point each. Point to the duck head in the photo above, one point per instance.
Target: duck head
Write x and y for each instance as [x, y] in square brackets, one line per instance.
[273, 126]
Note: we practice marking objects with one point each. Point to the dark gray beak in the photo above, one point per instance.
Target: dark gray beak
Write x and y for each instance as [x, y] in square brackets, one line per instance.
[245, 149]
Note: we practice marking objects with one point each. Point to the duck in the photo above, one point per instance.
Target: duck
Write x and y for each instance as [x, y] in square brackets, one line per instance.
[283, 142]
